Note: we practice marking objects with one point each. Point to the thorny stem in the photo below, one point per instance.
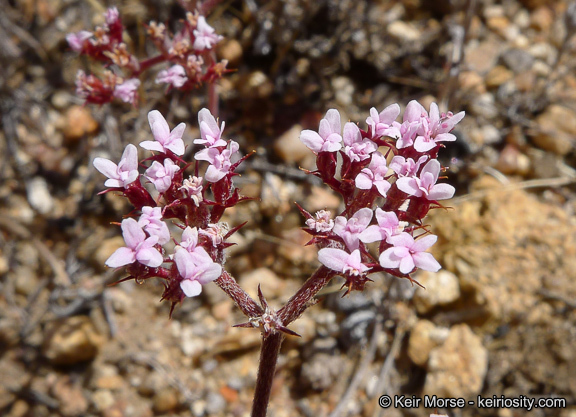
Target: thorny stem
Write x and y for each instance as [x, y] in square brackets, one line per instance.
[268, 357]
[147, 63]
[271, 343]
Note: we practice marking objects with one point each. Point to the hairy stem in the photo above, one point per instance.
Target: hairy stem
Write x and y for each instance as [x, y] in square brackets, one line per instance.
[303, 298]
[268, 358]
[244, 302]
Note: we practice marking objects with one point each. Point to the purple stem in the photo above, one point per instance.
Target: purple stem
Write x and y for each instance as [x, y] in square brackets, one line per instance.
[266, 370]
[244, 302]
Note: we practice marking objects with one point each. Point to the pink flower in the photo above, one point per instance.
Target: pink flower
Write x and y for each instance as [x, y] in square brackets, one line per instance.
[123, 174]
[209, 130]
[175, 76]
[323, 222]
[197, 269]
[76, 40]
[151, 222]
[406, 167]
[161, 175]
[349, 230]
[111, 16]
[384, 124]
[138, 247]
[425, 185]
[388, 226]
[215, 232]
[205, 38]
[328, 138]
[127, 91]
[355, 147]
[342, 261]
[436, 129]
[164, 138]
[190, 240]
[193, 188]
[220, 163]
[373, 175]
[408, 253]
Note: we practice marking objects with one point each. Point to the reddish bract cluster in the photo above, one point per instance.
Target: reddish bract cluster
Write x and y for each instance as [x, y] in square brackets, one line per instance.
[189, 54]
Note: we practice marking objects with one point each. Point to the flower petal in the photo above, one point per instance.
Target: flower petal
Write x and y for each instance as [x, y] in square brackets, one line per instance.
[122, 256]
[333, 258]
[159, 126]
[191, 288]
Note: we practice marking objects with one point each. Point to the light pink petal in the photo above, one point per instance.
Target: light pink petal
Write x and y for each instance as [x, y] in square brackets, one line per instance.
[426, 261]
[389, 114]
[332, 258]
[409, 186]
[152, 145]
[106, 167]
[133, 234]
[434, 112]
[191, 288]
[210, 273]
[406, 264]
[433, 167]
[130, 158]
[371, 234]
[382, 187]
[206, 154]
[213, 174]
[351, 134]
[363, 180]
[403, 240]
[441, 192]
[159, 126]
[150, 256]
[114, 183]
[449, 124]
[445, 137]
[421, 244]
[333, 118]
[204, 116]
[122, 256]
[184, 263]
[413, 112]
[423, 145]
[388, 259]
[364, 216]
[339, 225]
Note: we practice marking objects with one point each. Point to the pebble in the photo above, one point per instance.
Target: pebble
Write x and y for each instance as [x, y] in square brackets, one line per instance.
[71, 341]
[165, 400]
[39, 196]
[441, 288]
[290, 148]
[424, 337]
[231, 50]
[352, 302]
[498, 75]
[481, 57]
[556, 129]
[511, 161]
[457, 368]
[354, 328]
[320, 371]
[78, 123]
[271, 285]
[102, 399]
[517, 60]
[484, 106]
[403, 31]
[215, 403]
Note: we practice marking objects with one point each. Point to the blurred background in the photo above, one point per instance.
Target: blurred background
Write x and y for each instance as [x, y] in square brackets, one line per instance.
[499, 319]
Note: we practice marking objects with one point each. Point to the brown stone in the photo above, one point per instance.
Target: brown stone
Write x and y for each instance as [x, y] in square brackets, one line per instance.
[78, 122]
[71, 341]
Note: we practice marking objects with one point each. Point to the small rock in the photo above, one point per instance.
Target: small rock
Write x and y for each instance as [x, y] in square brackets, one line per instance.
[231, 50]
[424, 337]
[343, 91]
[78, 122]
[294, 250]
[272, 286]
[355, 327]
[352, 302]
[484, 106]
[403, 31]
[165, 400]
[320, 371]
[107, 248]
[70, 396]
[102, 399]
[290, 148]
[458, 367]
[556, 129]
[542, 18]
[511, 161]
[472, 81]
[440, 288]
[39, 196]
[322, 198]
[482, 57]
[517, 60]
[215, 403]
[497, 76]
[71, 341]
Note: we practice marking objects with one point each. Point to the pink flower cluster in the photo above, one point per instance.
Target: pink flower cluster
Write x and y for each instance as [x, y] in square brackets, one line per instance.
[176, 209]
[388, 179]
[187, 54]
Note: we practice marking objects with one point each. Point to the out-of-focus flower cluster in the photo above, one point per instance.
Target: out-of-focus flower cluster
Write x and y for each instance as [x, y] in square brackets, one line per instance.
[388, 178]
[186, 54]
[173, 209]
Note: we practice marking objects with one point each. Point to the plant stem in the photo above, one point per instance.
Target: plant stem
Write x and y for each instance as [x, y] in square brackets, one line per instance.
[303, 298]
[244, 302]
[266, 370]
